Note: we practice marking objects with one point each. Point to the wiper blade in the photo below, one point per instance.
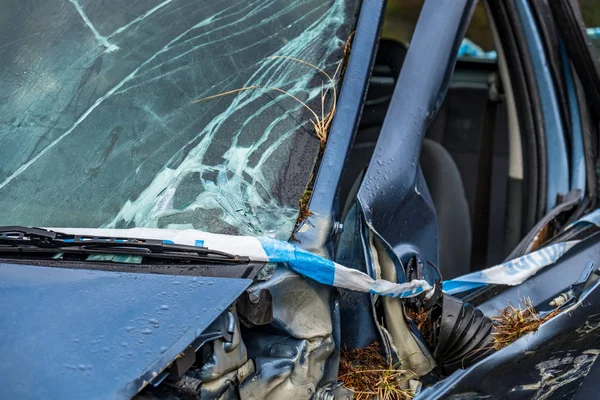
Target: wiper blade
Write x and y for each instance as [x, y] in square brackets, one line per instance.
[22, 239]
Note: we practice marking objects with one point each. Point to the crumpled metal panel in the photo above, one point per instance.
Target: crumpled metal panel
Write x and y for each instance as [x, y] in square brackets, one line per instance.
[549, 364]
[394, 197]
[226, 355]
[357, 310]
[81, 334]
[288, 368]
[291, 353]
[301, 307]
[221, 364]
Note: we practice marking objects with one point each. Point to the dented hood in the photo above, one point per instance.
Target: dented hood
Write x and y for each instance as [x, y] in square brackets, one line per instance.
[82, 334]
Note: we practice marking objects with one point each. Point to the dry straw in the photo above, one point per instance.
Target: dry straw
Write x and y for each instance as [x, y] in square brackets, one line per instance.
[512, 323]
[371, 377]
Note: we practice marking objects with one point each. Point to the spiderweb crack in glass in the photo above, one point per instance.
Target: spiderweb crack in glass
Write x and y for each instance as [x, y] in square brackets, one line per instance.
[99, 128]
[101, 39]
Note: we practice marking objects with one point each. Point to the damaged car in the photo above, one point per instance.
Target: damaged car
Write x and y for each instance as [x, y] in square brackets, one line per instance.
[273, 200]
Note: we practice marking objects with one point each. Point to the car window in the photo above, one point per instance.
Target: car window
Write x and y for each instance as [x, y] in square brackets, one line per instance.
[401, 19]
[100, 124]
[590, 10]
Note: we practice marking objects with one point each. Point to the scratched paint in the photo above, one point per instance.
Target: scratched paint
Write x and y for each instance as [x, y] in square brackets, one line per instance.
[559, 371]
[99, 127]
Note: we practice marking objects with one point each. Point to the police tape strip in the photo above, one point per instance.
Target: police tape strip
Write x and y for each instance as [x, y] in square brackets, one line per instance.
[517, 271]
[510, 273]
[333, 274]
[265, 249]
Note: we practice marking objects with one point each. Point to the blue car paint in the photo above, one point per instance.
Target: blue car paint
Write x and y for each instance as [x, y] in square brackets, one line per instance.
[343, 128]
[556, 150]
[393, 195]
[564, 348]
[82, 334]
[577, 157]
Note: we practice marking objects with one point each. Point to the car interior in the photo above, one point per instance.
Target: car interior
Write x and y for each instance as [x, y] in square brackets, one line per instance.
[460, 171]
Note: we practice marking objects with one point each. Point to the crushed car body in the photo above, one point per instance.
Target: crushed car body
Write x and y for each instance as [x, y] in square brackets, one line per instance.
[270, 199]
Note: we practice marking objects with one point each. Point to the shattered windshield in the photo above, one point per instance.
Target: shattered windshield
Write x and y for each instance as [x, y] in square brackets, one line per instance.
[106, 118]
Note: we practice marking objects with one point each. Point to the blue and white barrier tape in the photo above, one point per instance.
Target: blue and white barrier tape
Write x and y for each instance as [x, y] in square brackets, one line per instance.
[591, 218]
[510, 273]
[333, 274]
[516, 271]
[270, 250]
[593, 33]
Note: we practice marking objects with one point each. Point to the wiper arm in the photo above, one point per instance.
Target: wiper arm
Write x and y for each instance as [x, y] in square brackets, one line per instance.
[23, 239]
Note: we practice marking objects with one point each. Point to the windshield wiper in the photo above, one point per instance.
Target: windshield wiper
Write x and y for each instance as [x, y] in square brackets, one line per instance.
[22, 239]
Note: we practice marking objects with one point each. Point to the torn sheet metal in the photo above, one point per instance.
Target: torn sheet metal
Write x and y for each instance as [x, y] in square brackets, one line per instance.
[291, 354]
[393, 195]
[357, 310]
[409, 350]
[549, 364]
[265, 249]
[515, 272]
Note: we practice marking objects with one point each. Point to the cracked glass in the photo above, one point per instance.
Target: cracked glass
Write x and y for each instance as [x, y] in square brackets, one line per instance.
[99, 126]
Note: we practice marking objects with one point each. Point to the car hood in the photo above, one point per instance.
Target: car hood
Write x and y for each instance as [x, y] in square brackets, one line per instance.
[106, 333]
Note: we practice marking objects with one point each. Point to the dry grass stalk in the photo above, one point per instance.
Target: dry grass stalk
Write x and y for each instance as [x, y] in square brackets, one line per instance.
[419, 317]
[513, 323]
[304, 211]
[321, 121]
[347, 48]
[371, 377]
[341, 69]
[424, 324]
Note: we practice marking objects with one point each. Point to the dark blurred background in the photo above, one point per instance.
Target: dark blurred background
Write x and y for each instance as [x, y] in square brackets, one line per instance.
[401, 18]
